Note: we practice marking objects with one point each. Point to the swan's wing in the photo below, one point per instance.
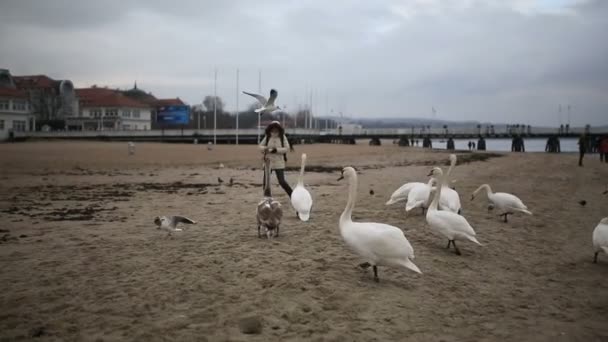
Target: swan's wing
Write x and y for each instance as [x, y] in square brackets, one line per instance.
[383, 240]
[419, 195]
[509, 200]
[175, 220]
[449, 199]
[600, 236]
[447, 221]
[264, 212]
[402, 193]
[301, 200]
[261, 99]
[273, 96]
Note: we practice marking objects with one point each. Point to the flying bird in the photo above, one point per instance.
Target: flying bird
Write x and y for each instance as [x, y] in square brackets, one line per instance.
[268, 106]
[219, 180]
[582, 203]
[169, 223]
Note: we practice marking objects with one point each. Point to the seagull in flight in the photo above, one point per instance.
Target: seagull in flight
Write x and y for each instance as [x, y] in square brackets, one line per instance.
[268, 106]
[169, 223]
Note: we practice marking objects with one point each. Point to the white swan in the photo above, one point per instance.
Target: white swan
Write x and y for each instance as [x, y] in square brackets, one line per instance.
[449, 197]
[600, 238]
[402, 193]
[300, 197]
[379, 244]
[506, 203]
[419, 197]
[449, 224]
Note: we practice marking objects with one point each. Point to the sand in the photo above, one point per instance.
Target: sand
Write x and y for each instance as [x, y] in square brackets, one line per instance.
[81, 259]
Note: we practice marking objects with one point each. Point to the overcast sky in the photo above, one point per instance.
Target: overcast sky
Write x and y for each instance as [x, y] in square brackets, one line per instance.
[493, 60]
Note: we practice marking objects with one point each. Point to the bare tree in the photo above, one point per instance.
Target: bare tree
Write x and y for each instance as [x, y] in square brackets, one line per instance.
[209, 105]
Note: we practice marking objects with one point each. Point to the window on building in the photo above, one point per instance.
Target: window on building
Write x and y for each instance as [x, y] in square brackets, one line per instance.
[126, 113]
[136, 113]
[18, 126]
[95, 112]
[4, 105]
[19, 105]
[1, 125]
[126, 127]
[111, 112]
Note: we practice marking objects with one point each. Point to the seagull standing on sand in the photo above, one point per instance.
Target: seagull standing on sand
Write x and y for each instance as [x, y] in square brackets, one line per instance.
[268, 106]
[169, 223]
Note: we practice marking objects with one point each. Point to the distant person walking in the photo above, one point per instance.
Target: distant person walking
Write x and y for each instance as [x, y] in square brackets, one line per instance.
[583, 145]
[275, 146]
[603, 149]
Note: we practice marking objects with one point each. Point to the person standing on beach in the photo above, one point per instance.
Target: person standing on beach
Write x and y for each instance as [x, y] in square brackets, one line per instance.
[603, 149]
[275, 146]
[582, 148]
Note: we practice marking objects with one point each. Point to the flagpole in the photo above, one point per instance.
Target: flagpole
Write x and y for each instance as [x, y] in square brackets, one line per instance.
[215, 107]
[237, 106]
[259, 92]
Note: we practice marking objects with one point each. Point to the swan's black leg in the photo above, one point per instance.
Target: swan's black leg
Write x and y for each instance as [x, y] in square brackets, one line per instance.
[277, 233]
[595, 258]
[259, 236]
[376, 279]
[449, 243]
[456, 248]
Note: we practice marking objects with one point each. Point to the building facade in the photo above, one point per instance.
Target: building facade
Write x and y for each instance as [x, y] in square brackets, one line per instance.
[52, 101]
[15, 110]
[109, 109]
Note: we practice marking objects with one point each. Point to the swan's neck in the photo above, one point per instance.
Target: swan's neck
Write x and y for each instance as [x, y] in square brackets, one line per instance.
[346, 216]
[484, 187]
[267, 176]
[447, 175]
[435, 201]
[301, 179]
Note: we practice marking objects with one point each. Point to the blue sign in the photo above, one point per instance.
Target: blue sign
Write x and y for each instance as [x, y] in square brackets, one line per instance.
[174, 115]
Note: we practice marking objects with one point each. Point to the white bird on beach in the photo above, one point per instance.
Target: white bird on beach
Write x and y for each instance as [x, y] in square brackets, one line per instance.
[600, 238]
[508, 204]
[451, 225]
[131, 148]
[169, 223]
[268, 106]
[418, 197]
[378, 244]
[300, 197]
[402, 192]
[449, 197]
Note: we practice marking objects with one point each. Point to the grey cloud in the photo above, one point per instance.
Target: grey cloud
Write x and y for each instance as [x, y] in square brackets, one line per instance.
[387, 58]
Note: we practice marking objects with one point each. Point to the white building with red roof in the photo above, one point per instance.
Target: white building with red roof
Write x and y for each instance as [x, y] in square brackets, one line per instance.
[109, 109]
[16, 113]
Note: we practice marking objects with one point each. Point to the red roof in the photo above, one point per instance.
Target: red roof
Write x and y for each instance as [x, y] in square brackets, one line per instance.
[170, 102]
[34, 81]
[12, 92]
[104, 97]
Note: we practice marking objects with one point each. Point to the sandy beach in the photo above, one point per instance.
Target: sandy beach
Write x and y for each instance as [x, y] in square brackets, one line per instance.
[82, 260]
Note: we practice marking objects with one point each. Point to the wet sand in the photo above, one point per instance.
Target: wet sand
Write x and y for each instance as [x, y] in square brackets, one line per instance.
[81, 259]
